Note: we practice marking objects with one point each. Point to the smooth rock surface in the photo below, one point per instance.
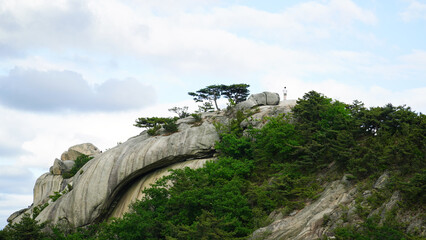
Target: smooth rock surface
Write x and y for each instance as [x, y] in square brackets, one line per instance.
[103, 178]
[258, 99]
[265, 98]
[77, 150]
[59, 167]
[45, 186]
[16, 214]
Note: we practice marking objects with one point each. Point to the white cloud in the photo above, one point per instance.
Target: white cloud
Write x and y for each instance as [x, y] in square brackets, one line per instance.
[416, 10]
[64, 90]
[10, 203]
[371, 95]
[183, 40]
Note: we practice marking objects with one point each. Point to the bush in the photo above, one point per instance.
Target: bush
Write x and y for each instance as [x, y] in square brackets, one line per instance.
[196, 116]
[27, 228]
[79, 163]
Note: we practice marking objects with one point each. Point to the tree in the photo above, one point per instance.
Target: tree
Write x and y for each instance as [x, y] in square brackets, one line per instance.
[27, 228]
[235, 93]
[182, 112]
[155, 123]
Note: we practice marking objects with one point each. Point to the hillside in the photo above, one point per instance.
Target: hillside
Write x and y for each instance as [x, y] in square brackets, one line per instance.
[263, 169]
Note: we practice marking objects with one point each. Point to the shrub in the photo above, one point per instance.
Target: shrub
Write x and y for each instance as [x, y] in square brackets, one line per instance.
[79, 163]
[196, 116]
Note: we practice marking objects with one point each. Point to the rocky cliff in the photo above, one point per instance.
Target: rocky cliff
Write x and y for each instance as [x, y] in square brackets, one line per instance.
[112, 180]
[109, 183]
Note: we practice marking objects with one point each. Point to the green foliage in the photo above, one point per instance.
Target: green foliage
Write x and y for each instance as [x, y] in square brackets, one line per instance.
[370, 230]
[235, 93]
[156, 123]
[205, 202]
[276, 168]
[197, 117]
[235, 147]
[55, 196]
[154, 130]
[37, 210]
[206, 226]
[26, 229]
[205, 107]
[414, 190]
[79, 163]
[182, 112]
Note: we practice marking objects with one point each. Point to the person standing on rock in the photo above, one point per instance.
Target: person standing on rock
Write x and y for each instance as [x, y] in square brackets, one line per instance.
[285, 93]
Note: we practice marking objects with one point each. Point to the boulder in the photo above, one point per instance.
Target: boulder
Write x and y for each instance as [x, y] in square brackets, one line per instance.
[102, 181]
[382, 181]
[59, 167]
[264, 98]
[78, 150]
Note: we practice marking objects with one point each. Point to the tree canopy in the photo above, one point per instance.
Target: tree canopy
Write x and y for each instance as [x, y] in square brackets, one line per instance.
[235, 93]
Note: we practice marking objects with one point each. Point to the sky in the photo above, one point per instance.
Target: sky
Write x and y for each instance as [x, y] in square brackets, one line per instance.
[77, 71]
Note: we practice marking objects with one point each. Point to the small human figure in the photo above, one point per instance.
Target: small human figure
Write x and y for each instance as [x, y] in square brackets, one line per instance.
[285, 93]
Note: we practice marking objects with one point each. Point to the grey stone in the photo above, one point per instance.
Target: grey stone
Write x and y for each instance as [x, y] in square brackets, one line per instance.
[68, 164]
[16, 214]
[259, 99]
[382, 181]
[57, 167]
[101, 181]
[77, 150]
[308, 222]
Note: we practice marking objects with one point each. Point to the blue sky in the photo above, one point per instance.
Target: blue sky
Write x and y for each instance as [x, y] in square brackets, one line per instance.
[83, 70]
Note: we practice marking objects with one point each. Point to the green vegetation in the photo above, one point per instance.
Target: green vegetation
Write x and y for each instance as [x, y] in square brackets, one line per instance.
[27, 228]
[182, 112]
[79, 163]
[235, 93]
[279, 167]
[156, 123]
[197, 117]
[371, 230]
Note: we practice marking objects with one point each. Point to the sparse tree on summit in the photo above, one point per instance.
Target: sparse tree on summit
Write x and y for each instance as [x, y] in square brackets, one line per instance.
[235, 93]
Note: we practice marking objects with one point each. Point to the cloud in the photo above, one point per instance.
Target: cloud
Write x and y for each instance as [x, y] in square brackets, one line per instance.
[372, 95]
[66, 90]
[9, 203]
[45, 24]
[187, 37]
[15, 180]
[416, 10]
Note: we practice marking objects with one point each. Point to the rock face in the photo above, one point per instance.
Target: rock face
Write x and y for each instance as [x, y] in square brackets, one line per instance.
[106, 185]
[77, 150]
[46, 185]
[265, 98]
[307, 223]
[337, 202]
[101, 182]
[60, 166]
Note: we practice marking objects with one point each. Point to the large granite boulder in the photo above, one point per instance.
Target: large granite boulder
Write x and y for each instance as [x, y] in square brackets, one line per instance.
[259, 99]
[78, 150]
[59, 167]
[102, 181]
